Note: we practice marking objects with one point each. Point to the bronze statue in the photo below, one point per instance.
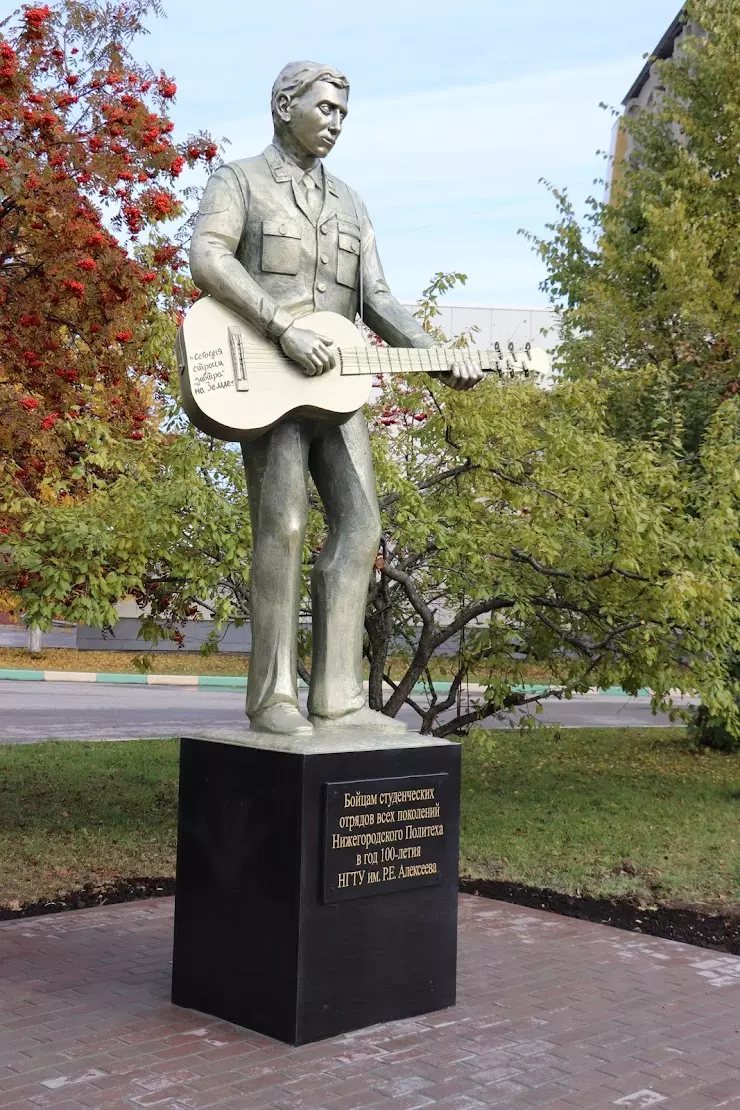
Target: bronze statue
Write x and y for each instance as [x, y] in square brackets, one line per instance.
[278, 238]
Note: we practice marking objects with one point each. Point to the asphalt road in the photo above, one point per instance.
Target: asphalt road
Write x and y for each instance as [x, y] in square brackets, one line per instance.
[32, 711]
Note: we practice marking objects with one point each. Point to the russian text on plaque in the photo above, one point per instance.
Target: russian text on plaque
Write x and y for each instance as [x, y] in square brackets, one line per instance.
[383, 835]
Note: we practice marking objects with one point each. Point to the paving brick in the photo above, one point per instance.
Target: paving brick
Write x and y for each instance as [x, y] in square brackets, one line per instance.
[465, 1102]
[553, 1014]
[727, 1089]
[695, 1100]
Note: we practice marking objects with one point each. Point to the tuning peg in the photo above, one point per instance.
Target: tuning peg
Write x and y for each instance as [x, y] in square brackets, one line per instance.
[510, 345]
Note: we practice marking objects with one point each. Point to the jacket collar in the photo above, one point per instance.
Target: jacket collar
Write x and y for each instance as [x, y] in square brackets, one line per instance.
[277, 163]
[284, 168]
[285, 171]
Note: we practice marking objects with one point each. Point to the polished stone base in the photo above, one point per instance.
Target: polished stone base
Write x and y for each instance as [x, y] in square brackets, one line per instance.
[316, 882]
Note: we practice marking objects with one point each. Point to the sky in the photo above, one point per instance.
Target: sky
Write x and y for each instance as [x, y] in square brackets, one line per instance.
[457, 110]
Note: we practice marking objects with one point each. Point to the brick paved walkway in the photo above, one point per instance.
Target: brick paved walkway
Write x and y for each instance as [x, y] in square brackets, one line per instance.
[553, 1013]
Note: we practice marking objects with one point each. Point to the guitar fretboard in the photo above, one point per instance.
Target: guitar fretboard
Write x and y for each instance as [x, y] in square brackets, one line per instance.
[432, 360]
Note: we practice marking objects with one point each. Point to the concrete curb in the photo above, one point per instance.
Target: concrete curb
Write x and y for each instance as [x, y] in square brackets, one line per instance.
[239, 682]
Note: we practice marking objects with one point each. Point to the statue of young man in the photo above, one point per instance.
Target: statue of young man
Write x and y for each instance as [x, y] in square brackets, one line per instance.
[278, 238]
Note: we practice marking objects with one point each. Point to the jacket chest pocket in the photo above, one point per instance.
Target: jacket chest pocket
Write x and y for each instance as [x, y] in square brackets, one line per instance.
[348, 253]
[281, 247]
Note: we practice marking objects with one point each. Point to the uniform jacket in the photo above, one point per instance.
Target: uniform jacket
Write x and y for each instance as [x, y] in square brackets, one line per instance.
[260, 249]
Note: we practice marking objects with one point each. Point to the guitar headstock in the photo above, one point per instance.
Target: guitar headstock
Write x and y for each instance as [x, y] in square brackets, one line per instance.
[508, 362]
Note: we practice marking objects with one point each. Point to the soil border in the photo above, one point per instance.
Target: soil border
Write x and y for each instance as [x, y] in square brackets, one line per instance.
[91, 895]
[687, 924]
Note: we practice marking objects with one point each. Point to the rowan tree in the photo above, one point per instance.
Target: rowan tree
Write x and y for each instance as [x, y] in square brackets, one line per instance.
[88, 272]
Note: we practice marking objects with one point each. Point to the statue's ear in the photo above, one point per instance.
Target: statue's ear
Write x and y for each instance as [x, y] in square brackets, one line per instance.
[282, 107]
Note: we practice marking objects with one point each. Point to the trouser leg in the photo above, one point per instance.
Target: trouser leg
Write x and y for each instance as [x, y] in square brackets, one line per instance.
[341, 466]
[276, 466]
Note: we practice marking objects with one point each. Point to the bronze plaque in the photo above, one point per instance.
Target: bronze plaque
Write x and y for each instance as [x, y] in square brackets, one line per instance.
[383, 835]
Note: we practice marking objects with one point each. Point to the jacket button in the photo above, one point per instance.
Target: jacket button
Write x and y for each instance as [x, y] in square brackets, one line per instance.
[324, 229]
[321, 287]
[283, 229]
[325, 258]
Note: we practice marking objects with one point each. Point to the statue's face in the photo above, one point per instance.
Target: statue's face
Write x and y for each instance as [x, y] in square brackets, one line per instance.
[315, 118]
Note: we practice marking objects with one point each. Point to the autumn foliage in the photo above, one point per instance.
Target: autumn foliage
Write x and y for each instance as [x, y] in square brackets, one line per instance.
[88, 171]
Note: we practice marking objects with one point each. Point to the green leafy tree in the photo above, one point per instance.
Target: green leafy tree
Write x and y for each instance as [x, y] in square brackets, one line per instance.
[648, 285]
[172, 530]
[517, 529]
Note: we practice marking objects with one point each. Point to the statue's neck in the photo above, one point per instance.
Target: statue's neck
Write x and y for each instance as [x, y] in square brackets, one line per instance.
[294, 151]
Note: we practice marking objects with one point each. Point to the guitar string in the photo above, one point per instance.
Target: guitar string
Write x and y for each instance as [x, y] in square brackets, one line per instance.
[413, 354]
[357, 373]
[350, 373]
[274, 362]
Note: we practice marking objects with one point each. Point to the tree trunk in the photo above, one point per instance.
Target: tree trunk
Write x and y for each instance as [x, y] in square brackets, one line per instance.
[379, 626]
[34, 639]
[379, 643]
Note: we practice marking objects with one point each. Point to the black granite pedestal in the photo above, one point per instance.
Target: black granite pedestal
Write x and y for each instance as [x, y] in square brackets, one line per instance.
[316, 883]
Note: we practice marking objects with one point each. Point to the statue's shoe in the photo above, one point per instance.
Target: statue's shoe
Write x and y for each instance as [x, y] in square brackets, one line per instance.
[282, 719]
[364, 719]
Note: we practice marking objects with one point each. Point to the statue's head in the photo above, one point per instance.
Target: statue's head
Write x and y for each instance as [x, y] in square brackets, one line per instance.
[309, 103]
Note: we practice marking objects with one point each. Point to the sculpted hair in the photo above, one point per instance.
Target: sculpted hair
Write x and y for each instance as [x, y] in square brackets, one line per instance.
[299, 76]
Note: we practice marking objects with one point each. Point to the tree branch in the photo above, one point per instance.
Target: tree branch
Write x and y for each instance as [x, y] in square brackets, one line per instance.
[490, 709]
[411, 591]
[428, 483]
[468, 614]
[527, 485]
[409, 700]
[584, 646]
[552, 572]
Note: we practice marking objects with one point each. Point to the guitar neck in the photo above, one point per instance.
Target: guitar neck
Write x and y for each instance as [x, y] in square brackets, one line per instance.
[426, 360]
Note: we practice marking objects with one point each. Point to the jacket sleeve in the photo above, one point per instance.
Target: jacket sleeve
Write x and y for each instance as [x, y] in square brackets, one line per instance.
[213, 264]
[381, 311]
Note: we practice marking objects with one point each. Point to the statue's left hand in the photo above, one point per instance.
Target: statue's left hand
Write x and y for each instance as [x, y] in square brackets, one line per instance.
[462, 375]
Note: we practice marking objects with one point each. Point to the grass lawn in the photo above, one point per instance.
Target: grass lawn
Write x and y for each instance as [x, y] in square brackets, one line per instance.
[189, 662]
[72, 813]
[605, 812]
[596, 811]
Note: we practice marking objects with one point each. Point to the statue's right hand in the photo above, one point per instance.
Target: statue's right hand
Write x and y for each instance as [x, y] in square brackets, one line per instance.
[309, 349]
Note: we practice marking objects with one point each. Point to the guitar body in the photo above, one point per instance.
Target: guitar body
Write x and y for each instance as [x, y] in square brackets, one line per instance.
[236, 384]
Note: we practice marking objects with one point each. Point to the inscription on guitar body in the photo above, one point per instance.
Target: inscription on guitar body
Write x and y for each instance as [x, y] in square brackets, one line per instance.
[209, 371]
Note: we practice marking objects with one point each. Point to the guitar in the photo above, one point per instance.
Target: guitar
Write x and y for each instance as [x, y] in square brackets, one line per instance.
[236, 384]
